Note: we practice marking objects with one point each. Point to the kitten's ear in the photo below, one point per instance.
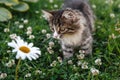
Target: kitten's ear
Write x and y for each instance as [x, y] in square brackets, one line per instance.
[47, 15]
[69, 16]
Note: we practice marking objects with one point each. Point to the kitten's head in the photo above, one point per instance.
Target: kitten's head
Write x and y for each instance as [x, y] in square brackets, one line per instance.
[63, 22]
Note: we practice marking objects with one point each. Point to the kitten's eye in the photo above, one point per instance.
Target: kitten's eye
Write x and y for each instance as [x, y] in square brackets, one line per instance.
[71, 30]
[62, 29]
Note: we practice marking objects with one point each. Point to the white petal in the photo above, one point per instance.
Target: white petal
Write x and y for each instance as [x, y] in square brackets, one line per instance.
[34, 50]
[12, 44]
[19, 41]
[25, 43]
[33, 57]
[14, 50]
[30, 45]
[17, 56]
[38, 52]
[22, 55]
[29, 57]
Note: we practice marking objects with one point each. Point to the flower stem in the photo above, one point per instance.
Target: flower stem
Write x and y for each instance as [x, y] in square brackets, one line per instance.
[17, 68]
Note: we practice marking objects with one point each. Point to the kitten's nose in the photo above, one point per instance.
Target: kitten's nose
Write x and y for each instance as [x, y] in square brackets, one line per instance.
[56, 35]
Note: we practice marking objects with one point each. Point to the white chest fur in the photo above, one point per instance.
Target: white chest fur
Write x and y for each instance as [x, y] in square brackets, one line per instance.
[73, 40]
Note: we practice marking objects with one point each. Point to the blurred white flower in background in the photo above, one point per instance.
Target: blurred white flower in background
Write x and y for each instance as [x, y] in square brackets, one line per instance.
[51, 44]
[22, 19]
[44, 31]
[16, 22]
[13, 36]
[112, 15]
[98, 61]
[53, 63]
[48, 35]
[37, 12]
[55, 6]
[81, 56]
[29, 30]
[51, 1]
[94, 71]
[49, 49]
[59, 59]
[10, 63]
[28, 75]
[31, 36]
[25, 21]
[109, 1]
[6, 30]
[3, 75]
[37, 72]
[112, 36]
[93, 6]
[70, 62]
[29, 33]
[21, 26]
[84, 65]
[24, 50]
[79, 63]
[119, 6]
[81, 51]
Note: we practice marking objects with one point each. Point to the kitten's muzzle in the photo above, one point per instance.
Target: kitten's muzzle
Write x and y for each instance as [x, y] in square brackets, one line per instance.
[56, 35]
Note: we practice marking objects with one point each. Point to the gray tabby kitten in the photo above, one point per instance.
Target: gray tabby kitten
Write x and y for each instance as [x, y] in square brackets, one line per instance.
[73, 26]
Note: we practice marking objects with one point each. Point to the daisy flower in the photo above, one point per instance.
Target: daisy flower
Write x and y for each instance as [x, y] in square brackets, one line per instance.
[24, 50]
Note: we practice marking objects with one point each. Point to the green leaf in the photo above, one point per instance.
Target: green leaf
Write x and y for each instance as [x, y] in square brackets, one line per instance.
[33, 1]
[2, 1]
[5, 14]
[22, 7]
[9, 2]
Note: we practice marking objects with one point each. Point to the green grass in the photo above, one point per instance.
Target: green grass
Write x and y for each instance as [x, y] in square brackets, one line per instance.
[105, 47]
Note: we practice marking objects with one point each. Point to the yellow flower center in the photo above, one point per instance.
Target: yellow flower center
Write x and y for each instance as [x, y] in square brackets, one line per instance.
[24, 49]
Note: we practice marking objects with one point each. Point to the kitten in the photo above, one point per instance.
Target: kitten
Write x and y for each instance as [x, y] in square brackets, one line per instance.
[73, 26]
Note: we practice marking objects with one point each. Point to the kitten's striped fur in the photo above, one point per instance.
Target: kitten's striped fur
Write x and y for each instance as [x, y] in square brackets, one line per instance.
[73, 26]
